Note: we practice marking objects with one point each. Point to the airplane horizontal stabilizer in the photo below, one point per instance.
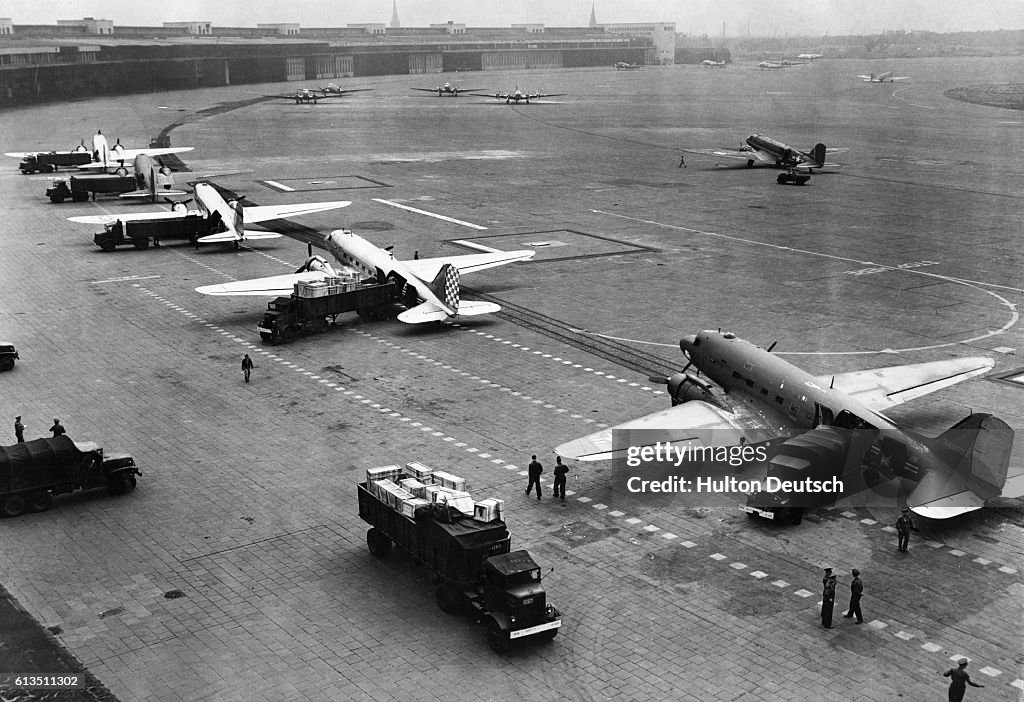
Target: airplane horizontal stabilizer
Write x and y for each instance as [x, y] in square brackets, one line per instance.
[273, 286]
[227, 237]
[472, 309]
[425, 312]
[127, 217]
[149, 193]
[880, 388]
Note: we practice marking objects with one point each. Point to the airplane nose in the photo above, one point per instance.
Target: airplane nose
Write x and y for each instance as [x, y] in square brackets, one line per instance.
[686, 344]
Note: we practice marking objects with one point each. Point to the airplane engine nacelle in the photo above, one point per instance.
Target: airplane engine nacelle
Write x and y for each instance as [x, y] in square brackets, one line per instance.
[683, 387]
[179, 208]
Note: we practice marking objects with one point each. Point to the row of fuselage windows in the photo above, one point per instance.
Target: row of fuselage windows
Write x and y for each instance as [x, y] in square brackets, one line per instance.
[794, 408]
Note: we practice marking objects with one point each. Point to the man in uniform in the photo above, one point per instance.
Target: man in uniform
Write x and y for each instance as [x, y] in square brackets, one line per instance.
[828, 598]
[904, 525]
[856, 590]
[959, 680]
[535, 469]
[19, 430]
[57, 428]
[561, 470]
[246, 367]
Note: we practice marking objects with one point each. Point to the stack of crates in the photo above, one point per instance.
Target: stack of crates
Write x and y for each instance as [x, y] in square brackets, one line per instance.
[313, 289]
[417, 485]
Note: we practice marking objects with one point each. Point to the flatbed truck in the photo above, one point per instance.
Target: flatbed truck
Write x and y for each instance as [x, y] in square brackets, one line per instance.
[287, 317]
[79, 188]
[476, 571]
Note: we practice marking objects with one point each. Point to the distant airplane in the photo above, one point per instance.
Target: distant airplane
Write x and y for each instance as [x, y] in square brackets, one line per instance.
[760, 397]
[810, 57]
[105, 156]
[311, 96]
[448, 89]
[888, 76]
[770, 65]
[765, 150]
[431, 285]
[231, 213]
[518, 95]
[708, 63]
[623, 66]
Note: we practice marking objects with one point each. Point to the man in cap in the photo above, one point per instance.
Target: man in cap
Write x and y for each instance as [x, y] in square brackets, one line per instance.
[856, 590]
[904, 525]
[19, 430]
[959, 680]
[828, 598]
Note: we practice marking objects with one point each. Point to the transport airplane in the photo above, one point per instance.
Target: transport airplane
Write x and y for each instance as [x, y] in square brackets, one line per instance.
[431, 285]
[887, 77]
[311, 96]
[517, 95]
[623, 66]
[810, 57]
[231, 213]
[765, 150]
[744, 394]
[448, 89]
[106, 156]
[708, 63]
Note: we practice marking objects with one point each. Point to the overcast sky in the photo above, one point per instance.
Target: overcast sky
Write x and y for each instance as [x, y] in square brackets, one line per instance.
[761, 17]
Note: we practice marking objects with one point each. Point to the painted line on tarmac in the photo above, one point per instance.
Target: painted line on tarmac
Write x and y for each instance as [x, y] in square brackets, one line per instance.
[429, 214]
[976, 285]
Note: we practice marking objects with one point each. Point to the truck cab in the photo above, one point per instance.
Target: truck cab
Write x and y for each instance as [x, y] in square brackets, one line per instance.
[8, 355]
[515, 601]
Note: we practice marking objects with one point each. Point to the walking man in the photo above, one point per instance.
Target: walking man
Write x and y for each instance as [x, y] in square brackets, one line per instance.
[828, 598]
[561, 470]
[904, 525]
[19, 430]
[57, 428]
[682, 161]
[959, 680]
[856, 590]
[535, 469]
[247, 367]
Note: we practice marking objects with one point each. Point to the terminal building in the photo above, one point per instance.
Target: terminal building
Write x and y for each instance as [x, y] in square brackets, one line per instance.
[80, 58]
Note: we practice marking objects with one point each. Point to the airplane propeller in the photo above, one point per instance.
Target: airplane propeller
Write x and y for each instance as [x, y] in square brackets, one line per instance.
[180, 206]
[772, 346]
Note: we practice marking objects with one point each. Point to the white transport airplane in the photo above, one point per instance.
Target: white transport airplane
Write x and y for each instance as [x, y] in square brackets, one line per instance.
[887, 77]
[231, 214]
[431, 285]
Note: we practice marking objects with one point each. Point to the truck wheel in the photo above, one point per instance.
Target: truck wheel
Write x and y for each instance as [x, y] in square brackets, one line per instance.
[14, 506]
[56, 198]
[497, 637]
[287, 333]
[140, 243]
[266, 336]
[796, 515]
[446, 599]
[378, 543]
[120, 483]
[108, 245]
[322, 325]
[41, 501]
[6, 364]
[80, 197]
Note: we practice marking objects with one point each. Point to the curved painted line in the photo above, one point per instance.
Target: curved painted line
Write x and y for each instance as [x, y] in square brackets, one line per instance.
[912, 104]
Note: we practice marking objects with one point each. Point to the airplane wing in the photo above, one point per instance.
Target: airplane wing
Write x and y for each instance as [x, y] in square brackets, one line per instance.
[881, 388]
[428, 268]
[433, 90]
[739, 154]
[126, 155]
[345, 91]
[274, 286]
[149, 193]
[544, 95]
[261, 213]
[136, 217]
[693, 423]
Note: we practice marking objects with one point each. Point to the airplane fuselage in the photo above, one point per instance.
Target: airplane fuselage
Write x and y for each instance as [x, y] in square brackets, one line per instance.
[360, 256]
[783, 154]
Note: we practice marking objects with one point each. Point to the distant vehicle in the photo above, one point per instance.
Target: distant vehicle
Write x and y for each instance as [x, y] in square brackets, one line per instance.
[231, 216]
[887, 77]
[623, 66]
[448, 89]
[8, 355]
[833, 426]
[518, 96]
[430, 286]
[311, 96]
[32, 472]
[84, 186]
[708, 63]
[793, 177]
[767, 151]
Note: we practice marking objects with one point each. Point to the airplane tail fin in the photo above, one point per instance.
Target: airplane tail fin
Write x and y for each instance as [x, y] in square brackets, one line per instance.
[979, 447]
[446, 286]
[818, 154]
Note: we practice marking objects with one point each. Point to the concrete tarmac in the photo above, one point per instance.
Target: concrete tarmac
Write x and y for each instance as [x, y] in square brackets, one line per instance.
[910, 252]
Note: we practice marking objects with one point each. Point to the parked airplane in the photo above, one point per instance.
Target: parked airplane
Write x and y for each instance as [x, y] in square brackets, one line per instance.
[765, 150]
[431, 285]
[623, 66]
[448, 89]
[761, 397]
[518, 95]
[337, 90]
[708, 63]
[888, 76]
[311, 96]
[103, 155]
[770, 65]
[230, 213]
[810, 57]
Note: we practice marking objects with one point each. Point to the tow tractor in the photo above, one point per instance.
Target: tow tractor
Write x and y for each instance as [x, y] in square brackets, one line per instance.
[793, 177]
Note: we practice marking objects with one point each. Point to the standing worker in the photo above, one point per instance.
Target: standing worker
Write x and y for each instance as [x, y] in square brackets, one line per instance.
[856, 590]
[828, 598]
[959, 680]
[57, 428]
[247, 367]
[535, 470]
[561, 470]
[19, 430]
[904, 525]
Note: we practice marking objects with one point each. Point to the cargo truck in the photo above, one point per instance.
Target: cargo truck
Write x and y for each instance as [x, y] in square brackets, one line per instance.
[32, 472]
[308, 311]
[475, 569]
[80, 188]
[141, 233]
[48, 162]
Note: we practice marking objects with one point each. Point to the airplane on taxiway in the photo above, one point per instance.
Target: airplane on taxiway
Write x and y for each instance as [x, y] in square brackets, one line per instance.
[747, 395]
[708, 63]
[517, 95]
[887, 77]
[770, 65]
[431, 285]
[810, 57]
[767, 151]
[231, 214]
[312, 96]
[623, 66]
[105, 156]
[448, 89]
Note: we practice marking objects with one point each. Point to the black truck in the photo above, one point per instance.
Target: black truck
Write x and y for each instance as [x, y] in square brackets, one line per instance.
[32, 472]
[140, 233]
[48, 162]
[79, 188]
[287, 317]
[475, 570]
